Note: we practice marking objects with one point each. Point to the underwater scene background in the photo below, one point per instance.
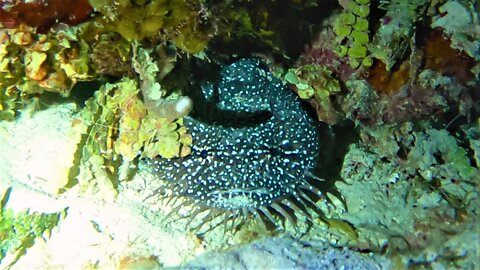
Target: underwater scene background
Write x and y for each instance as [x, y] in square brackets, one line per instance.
[239, 134]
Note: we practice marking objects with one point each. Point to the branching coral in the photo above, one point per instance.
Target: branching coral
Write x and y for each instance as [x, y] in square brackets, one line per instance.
[120, 126]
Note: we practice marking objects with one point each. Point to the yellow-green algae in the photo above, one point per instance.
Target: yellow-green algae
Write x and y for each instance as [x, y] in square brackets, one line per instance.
[176, 21]
[119, 128]
[19, 230]
[31, 63]
[317, 83]
[351, 28]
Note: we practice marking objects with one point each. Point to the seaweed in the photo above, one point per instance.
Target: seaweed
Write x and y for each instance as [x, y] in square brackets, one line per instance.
[124, 121]
[19, 230]
[32, 63]
[351, 28]
[180, 22]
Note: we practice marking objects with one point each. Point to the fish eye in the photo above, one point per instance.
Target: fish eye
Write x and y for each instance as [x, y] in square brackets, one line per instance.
[203, 153]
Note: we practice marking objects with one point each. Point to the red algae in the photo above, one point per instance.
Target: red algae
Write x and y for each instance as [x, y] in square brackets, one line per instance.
[388, 82]
[435, 53]
[441, 57]
[42, 14]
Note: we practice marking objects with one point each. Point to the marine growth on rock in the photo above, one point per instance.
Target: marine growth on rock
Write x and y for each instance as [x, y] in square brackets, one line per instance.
[256, 165]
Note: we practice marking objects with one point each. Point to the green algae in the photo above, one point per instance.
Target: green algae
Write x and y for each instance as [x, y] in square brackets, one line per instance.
[118, 128]
[33, 63]
[351, 27]
[20, 230]
[177, 21]
[316, 82]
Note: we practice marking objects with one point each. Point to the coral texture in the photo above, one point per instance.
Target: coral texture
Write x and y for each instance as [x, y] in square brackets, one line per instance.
[406, 188]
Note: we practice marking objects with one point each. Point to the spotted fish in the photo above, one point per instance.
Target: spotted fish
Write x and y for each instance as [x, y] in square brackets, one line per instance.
[261, 169]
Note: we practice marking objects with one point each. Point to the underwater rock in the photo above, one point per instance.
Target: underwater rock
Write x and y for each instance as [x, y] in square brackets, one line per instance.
[287, 253]
[405, 188]
[237, 170]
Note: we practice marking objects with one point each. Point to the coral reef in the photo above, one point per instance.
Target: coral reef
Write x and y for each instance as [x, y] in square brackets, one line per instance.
[117, 127]
[441, 56]
[394, 83]
[439, 82]
[434, 53]
[433, 97]
[153, 93]
[316, 84]
[322, 51]
[431, 177]
[111, 55]
[394, 37]
[285, 252]
[459, 20]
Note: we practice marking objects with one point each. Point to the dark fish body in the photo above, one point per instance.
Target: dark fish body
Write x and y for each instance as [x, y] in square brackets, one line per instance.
[248, 169]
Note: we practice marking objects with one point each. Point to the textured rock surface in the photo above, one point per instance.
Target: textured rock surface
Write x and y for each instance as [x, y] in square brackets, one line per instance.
[287, 253]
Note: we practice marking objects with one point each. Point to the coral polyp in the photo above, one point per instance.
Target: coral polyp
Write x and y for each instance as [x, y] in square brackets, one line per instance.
[258, 167]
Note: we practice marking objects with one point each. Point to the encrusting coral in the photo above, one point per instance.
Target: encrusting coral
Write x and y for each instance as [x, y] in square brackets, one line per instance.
[430, 175]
